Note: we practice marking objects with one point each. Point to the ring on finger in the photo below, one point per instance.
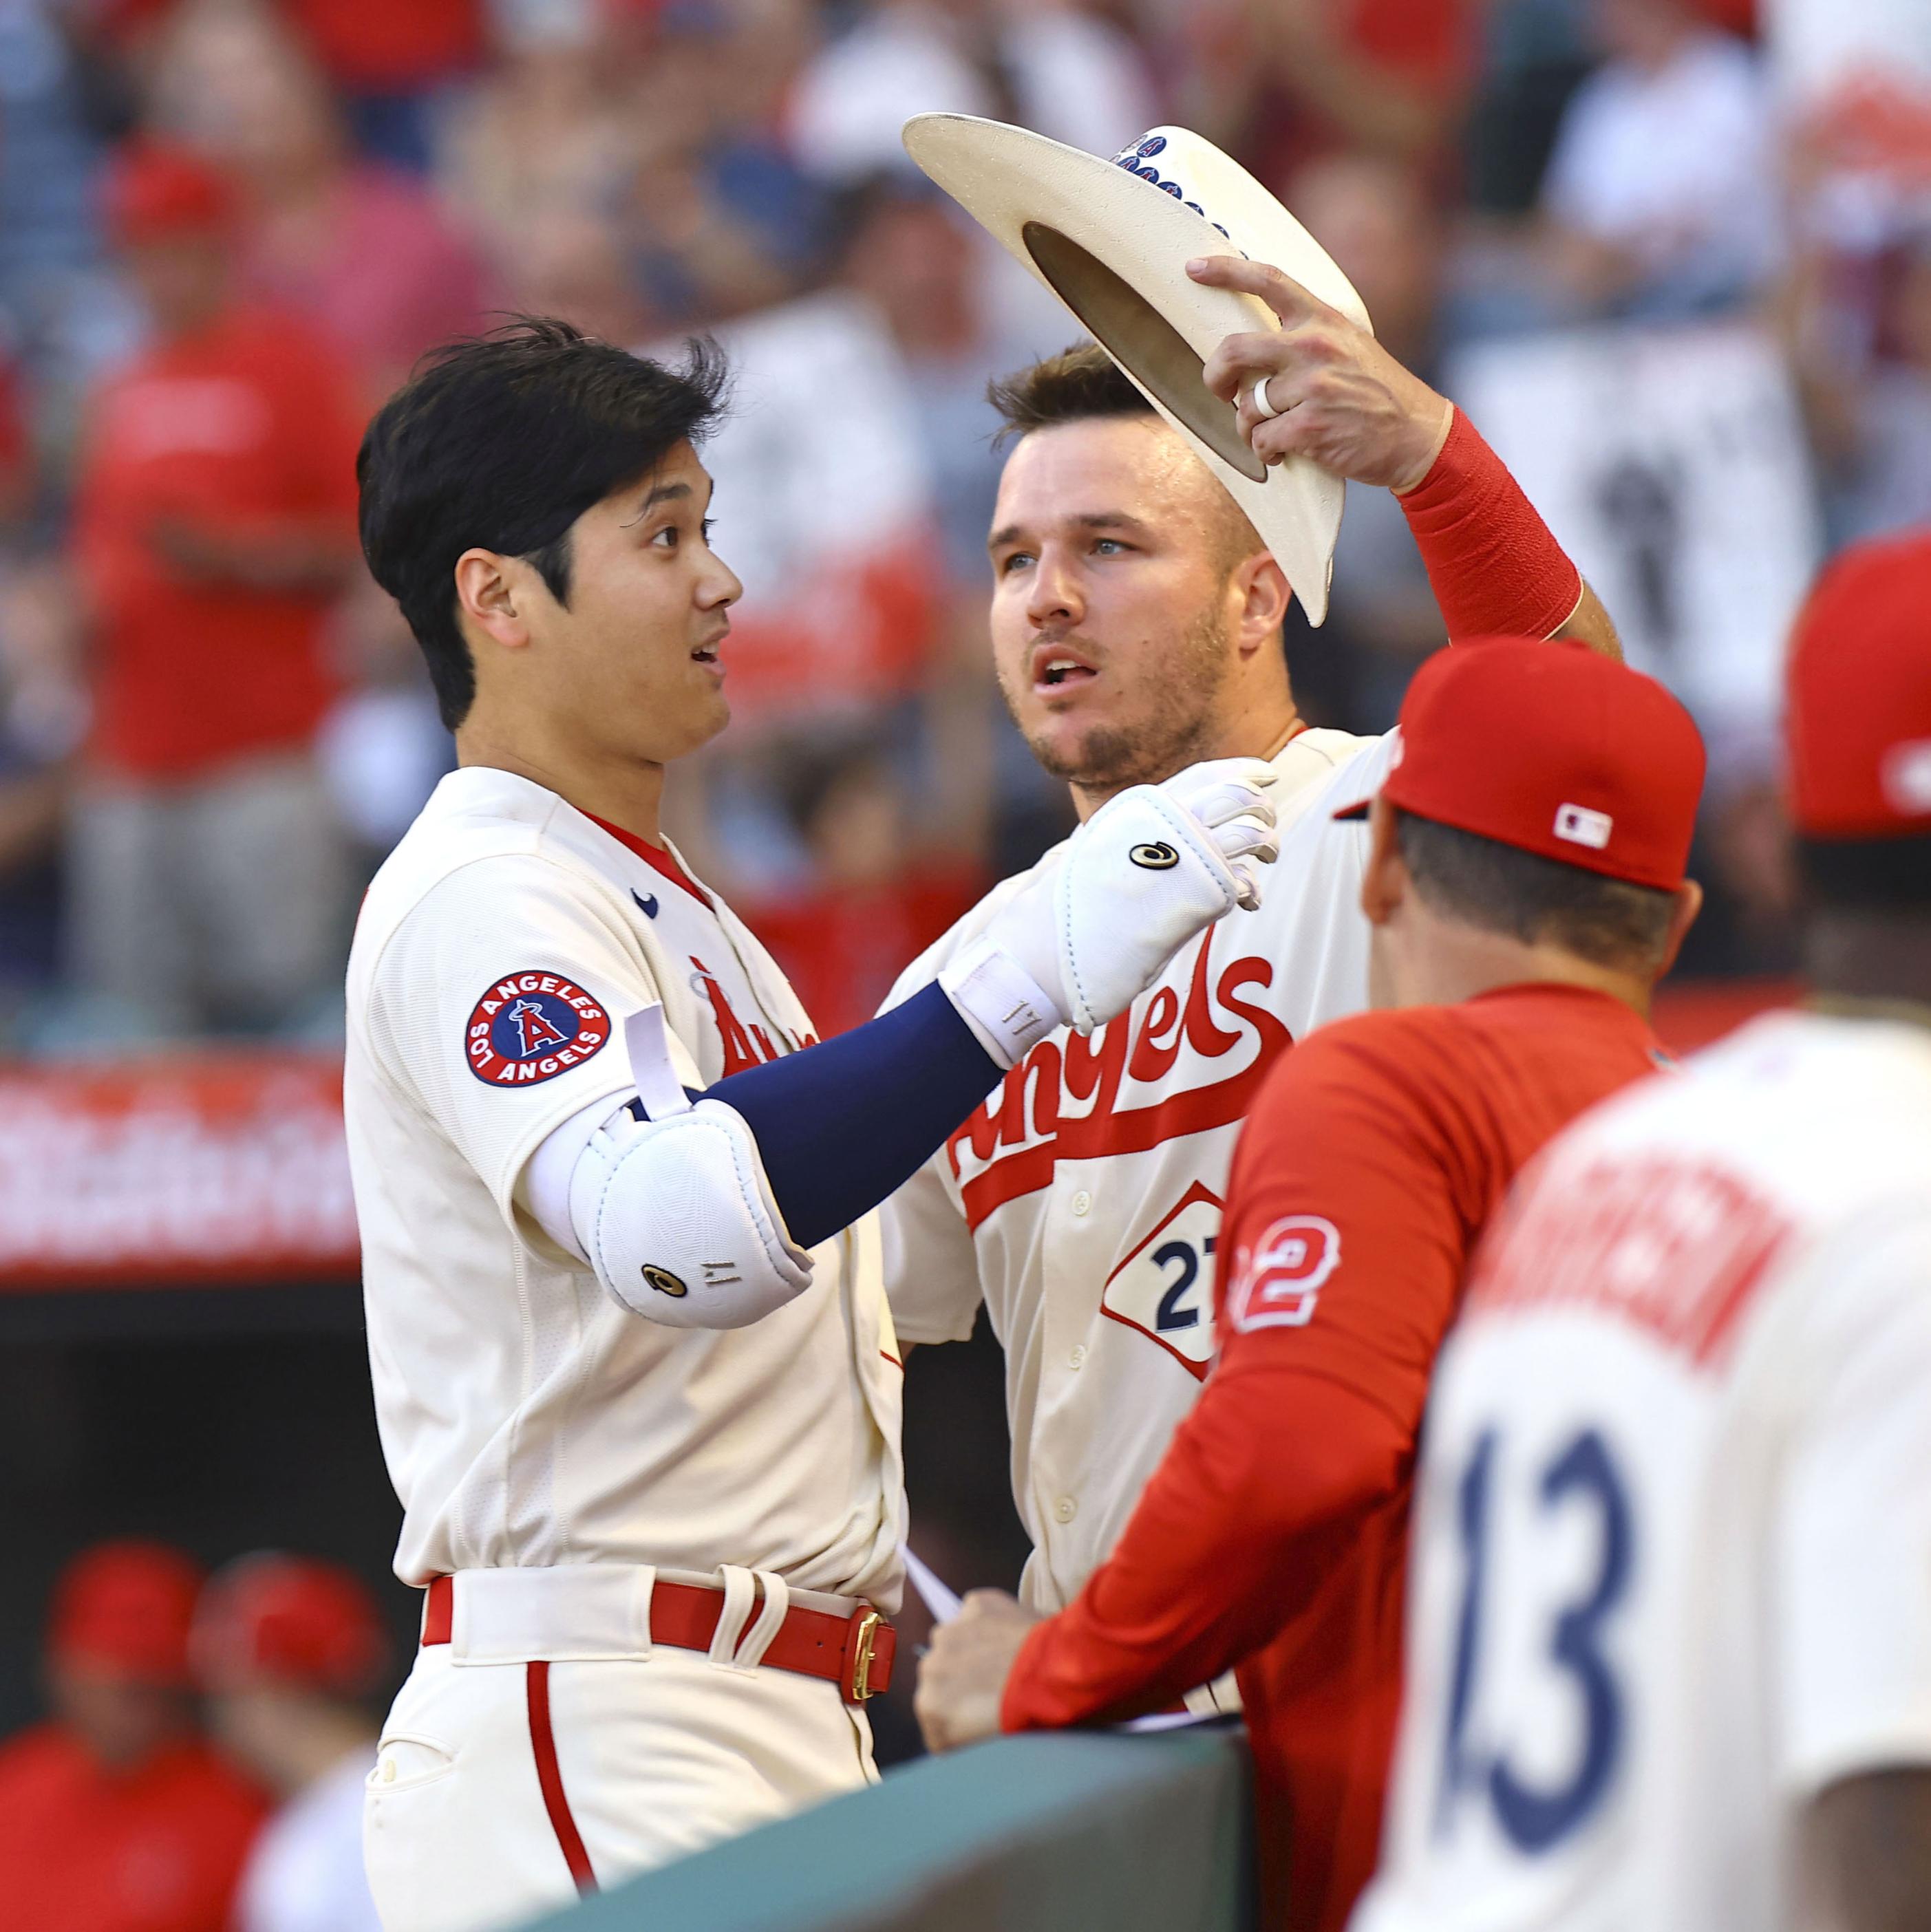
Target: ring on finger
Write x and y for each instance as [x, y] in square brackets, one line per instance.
[1257, 400]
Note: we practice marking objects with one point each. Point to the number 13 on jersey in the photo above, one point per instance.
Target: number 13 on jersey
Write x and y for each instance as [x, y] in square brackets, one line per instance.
[1542, 1538]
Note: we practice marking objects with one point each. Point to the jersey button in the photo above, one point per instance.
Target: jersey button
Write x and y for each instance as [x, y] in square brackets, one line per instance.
[1076, 1356]
[1081, 1202]
[1065, 1509]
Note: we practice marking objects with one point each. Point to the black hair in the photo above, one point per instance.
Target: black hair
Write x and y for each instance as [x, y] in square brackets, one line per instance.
[501, 441]
[1500, 888]
[1078, 385]
[1890, 875]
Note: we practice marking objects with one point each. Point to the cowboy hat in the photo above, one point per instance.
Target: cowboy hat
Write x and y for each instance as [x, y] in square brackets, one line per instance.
[1112, 239]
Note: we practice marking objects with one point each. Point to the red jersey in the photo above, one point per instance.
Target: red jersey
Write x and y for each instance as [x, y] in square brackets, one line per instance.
[85, 1850]
[1273, 1534]
[250, 425]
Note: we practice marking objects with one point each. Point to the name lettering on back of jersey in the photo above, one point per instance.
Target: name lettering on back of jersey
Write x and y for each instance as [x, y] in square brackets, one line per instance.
[1073, 1101]
[1277, 1282]
[530, 1027]
[1675, 1247]
[1165, 1287]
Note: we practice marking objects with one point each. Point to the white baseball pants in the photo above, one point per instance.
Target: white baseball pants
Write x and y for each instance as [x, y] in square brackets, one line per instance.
[505, 1787]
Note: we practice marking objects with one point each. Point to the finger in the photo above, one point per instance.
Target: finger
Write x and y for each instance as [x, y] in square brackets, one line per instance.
[1236, 361]
[1216, 806]
[1278, 290]
[1247, 888]
[1247, 838]
[1287, 389]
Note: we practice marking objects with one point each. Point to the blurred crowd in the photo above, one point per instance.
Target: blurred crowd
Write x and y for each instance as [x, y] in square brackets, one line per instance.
[201, 1766]
[1675, 255]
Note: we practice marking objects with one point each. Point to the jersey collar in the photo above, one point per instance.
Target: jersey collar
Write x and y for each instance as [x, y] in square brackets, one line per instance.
[658, 858]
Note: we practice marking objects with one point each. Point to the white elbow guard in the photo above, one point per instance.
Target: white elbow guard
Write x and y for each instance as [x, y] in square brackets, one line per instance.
[674, 1212]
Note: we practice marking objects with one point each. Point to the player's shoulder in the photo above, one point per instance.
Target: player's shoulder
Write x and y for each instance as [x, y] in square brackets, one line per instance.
[42, 1755]
[1354, 1066]
[1822, 1115]
[485, 840]
[1320, 767]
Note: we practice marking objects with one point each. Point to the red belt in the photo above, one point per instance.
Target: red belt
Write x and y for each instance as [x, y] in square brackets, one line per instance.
[854, 1652]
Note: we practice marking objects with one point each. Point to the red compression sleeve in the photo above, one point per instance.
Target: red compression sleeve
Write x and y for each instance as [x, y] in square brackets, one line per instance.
[1493, 566]
[1269, 1460]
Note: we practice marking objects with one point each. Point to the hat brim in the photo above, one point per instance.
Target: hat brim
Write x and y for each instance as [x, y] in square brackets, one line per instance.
[1357, 810]
[1114, 245]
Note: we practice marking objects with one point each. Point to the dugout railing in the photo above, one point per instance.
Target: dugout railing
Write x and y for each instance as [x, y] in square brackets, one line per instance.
[1053, 1833]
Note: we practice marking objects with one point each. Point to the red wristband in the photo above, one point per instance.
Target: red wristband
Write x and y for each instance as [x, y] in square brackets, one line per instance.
[1493, 566]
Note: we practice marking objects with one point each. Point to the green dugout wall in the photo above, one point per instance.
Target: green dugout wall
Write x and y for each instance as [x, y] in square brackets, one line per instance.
[1054, 1832]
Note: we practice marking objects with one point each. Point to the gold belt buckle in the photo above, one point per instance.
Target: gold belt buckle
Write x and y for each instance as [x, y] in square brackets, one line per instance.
[861, 1655]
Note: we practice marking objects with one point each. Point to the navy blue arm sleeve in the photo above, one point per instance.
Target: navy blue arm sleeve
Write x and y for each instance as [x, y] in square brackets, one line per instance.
[842, 1125]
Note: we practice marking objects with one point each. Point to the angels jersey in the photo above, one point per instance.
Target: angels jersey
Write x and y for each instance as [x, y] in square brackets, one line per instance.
[1081, 1203]
[528, 1418]
[1672, 1570]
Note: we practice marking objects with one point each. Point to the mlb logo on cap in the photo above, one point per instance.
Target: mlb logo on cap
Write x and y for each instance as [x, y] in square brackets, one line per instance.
[1581, 827]
[1554, 749]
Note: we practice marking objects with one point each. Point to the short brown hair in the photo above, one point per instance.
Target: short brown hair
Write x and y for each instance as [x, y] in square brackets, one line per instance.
[1084, 384]
[1076, 385]
[1500, 889]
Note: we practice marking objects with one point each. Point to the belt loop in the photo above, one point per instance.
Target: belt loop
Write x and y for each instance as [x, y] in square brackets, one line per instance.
[770, 1620]
[644, 1588]
[739, 1592]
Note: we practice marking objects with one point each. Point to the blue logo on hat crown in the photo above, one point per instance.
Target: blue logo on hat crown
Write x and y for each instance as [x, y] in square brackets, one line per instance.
[1130, 158]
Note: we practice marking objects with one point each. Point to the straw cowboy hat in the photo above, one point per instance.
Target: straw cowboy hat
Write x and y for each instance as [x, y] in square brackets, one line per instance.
[1112, 239]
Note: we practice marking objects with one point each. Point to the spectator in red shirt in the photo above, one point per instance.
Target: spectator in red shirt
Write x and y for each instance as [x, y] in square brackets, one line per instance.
[360, 249]
[1526, 887]
[115, 1815]
[214, 529]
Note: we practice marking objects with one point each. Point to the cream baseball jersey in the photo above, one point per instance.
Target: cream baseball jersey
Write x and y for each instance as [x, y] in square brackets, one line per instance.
[528, 1418]
[1082, 1202]
[1672, 1569]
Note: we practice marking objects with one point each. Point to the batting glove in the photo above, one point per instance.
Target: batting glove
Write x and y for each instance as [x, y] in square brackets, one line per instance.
[1150, 869]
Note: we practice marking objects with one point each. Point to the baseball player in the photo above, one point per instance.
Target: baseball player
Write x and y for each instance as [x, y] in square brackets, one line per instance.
[1669, 1635]
[1135, 622]
[1525, 888]
[635, 1377]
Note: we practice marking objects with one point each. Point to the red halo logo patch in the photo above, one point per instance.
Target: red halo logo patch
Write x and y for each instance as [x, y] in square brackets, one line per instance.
[530, 1027]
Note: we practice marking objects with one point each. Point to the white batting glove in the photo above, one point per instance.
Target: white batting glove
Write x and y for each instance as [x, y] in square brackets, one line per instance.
[1150, 869]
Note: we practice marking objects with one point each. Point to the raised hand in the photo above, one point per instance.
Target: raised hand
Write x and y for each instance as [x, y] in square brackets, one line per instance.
[1327, 389]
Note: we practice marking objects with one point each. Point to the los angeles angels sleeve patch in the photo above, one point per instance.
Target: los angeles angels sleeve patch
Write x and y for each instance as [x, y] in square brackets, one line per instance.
[530, 1027]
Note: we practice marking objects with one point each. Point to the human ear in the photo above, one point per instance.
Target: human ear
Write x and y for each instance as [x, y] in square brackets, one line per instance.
[1261, 587]
[487, 595]
[1688, 897]
[1385, 880]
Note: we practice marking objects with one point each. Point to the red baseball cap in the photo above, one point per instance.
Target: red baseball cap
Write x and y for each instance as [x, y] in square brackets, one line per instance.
[1554, 749]
[126, 1607]
[154, 193]
[290, 1620]
[1857, 686]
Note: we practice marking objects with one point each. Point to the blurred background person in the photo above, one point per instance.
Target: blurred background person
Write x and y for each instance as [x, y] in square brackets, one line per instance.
[215, 528]
[358, 247]
[290, 1650]
[1060, 66]
[1662, 195]
[116, 1814]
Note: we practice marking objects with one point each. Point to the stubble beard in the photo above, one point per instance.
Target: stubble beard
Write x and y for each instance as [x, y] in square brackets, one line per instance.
[1178, 729]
